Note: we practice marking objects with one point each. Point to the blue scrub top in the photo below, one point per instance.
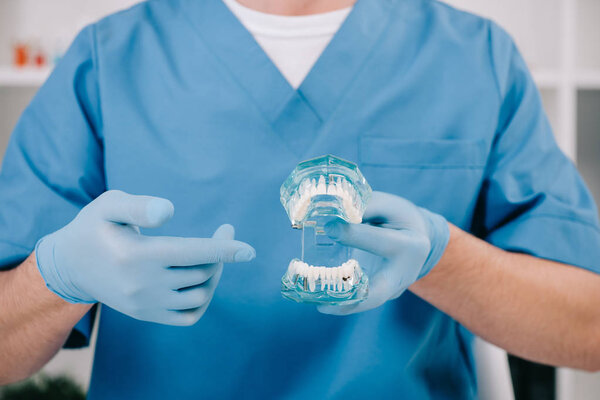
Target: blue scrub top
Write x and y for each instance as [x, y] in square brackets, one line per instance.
[174, 98]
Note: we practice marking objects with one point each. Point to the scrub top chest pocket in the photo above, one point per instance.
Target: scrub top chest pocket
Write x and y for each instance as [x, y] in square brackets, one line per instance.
[442, 175]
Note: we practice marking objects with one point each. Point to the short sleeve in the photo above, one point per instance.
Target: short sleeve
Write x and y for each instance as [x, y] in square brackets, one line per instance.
[533, 199]
[53, 165]
[82, 331]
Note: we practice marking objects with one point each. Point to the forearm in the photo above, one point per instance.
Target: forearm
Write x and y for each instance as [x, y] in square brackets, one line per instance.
[34, 322]
[534, 308]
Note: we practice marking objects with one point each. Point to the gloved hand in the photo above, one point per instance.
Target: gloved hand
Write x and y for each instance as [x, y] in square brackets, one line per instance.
[397, 242]
[102, 257]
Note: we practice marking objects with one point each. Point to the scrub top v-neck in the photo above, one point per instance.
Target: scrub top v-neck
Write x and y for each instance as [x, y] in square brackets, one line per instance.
[174, 98]
[295, 116]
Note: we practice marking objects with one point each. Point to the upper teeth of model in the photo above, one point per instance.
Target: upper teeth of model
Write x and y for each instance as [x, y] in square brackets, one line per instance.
[337, 279]
[339, 187]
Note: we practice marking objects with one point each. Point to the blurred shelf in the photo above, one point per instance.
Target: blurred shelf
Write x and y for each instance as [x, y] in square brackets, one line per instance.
[581, 79]
[589, 79]
[27, 77]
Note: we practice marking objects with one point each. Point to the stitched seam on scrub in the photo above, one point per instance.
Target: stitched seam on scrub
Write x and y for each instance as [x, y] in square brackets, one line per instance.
[348, 87]
[493, 64]
[228, 74]
[99, 129]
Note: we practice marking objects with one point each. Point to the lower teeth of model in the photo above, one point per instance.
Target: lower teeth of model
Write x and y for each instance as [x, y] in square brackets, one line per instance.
[339, 187]
[337, 279]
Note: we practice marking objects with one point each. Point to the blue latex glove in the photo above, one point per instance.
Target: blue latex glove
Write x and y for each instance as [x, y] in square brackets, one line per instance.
[397, 243]
[102, 257]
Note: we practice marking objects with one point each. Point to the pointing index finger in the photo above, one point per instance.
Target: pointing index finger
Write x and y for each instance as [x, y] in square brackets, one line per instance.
[180, 251]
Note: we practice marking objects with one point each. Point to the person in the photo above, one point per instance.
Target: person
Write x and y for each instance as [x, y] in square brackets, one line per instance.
[167, 121]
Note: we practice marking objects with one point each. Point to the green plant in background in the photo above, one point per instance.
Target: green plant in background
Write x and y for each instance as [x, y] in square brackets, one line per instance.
[44, 388]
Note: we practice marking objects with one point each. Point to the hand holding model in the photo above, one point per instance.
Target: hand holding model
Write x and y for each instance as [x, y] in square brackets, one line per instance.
[400, 241]
[102, 257]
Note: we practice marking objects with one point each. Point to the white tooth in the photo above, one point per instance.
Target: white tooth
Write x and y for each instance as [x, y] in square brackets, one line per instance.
[357, 270]
[315, 276]
[331, 188]
[306, 276]
[321, 276]
[348, 274]
[336, 278]
[321, 188]
[332, 273]
[303, 186]
[303, 270]
[350, 191]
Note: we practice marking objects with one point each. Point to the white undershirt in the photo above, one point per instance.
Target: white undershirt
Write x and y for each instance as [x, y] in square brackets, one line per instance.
[293, 43]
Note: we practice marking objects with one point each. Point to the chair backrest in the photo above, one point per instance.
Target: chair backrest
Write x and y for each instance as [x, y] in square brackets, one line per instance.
[493, 373]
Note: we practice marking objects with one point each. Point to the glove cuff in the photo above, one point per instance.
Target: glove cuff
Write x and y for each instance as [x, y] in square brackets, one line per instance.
[439, 235]
[44, 254]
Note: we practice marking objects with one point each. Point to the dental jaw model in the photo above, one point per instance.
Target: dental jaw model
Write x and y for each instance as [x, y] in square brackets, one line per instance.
[317, 192]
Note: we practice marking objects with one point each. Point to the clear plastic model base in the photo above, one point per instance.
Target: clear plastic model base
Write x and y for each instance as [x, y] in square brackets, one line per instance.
[317, 192]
